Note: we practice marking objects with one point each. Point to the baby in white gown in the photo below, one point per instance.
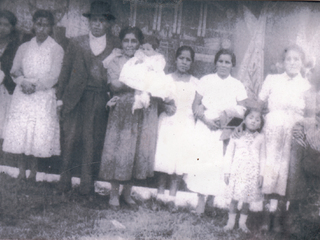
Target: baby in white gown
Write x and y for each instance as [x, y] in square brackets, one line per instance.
[145, 73]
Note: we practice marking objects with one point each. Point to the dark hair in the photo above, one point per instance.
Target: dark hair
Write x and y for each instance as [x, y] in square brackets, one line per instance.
[153, 41]
[43, 14]
[136, 32]
[185, 48]
[9, 16]
[297, 49]
[248, 111]
[225, 52]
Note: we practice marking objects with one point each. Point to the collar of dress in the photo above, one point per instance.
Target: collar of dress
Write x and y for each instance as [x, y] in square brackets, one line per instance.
[97, 44]
[47, 42]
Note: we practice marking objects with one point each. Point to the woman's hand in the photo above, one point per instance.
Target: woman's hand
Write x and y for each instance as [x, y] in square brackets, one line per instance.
[213, 124]
[260, 181]
[112, 102]
[170, 108]
[27, 87]
[237, 132]
[298, 134]
[226, 178]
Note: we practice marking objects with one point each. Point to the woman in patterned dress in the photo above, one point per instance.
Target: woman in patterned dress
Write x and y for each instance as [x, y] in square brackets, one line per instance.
[32, 128]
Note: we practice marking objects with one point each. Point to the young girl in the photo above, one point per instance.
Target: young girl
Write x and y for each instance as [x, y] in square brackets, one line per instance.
[244, 162]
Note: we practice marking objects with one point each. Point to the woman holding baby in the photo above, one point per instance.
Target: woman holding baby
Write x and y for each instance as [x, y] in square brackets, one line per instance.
[130, 141]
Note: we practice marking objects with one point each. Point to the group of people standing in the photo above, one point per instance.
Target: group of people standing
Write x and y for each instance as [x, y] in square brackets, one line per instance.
[127, 128]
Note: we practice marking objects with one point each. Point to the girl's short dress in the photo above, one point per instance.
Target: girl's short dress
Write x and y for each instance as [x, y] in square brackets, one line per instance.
[244, 161]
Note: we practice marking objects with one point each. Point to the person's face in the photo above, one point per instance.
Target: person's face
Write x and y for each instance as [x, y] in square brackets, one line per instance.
[42, 29]
[292, 63]
[98, 25]
[5, 28]
[184, 61]
[148, 49]
[253, 121]
[224, 66]
[130, 44]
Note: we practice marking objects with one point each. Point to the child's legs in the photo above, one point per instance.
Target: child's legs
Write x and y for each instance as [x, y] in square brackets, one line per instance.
[245, 208]
[243, 217]
[233, 206]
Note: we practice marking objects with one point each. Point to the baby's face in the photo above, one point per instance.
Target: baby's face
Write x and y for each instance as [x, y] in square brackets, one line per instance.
[148, 49]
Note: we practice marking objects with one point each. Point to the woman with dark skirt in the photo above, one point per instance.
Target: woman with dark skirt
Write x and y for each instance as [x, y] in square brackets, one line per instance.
[9, 43]
[130, 142]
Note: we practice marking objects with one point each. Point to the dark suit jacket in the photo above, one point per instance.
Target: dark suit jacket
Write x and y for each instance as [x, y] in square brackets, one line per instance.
[75, 72]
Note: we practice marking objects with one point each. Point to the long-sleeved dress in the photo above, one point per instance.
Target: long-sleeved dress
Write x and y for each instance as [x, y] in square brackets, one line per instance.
[286, 103]
[206, 175]
[130, 141]
[175, 137]
[32, 126]
[244, 161]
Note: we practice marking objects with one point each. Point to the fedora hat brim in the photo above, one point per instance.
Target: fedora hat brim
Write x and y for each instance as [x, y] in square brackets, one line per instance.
[107, 16]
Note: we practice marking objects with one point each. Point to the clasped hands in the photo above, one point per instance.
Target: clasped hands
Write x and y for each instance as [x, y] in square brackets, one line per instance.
[27, 87]
[213, 124]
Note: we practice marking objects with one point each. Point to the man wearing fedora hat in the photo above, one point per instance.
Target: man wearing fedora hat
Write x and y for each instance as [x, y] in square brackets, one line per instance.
[82, 96]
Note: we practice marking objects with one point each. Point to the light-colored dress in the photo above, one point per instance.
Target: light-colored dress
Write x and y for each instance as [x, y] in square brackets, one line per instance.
[244, 161]
[32, 126]
[175, 136]
[206, 174]
[286, 103]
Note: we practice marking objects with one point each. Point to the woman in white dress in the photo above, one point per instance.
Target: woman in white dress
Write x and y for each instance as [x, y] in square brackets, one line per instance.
[217, 100]
[175, 136]
[32, 128]
[286, 95]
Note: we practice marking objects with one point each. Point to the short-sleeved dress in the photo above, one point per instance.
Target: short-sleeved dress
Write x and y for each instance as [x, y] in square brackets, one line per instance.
[244, 161]
[175, 137]
[130, 141]
[32, 126]
[206, 174]
[286, 103]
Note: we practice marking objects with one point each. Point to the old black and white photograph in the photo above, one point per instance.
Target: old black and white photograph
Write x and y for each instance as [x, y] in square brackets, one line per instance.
[159, 119]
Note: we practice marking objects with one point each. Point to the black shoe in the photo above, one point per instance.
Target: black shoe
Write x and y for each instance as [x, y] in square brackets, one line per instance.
[133, 206]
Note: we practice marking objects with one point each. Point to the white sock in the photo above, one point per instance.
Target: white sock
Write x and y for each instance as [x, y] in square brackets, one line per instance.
[242, 223]
[231, 221]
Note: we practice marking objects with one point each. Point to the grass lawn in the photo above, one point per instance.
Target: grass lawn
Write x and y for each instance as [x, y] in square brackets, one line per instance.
[36, 211]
